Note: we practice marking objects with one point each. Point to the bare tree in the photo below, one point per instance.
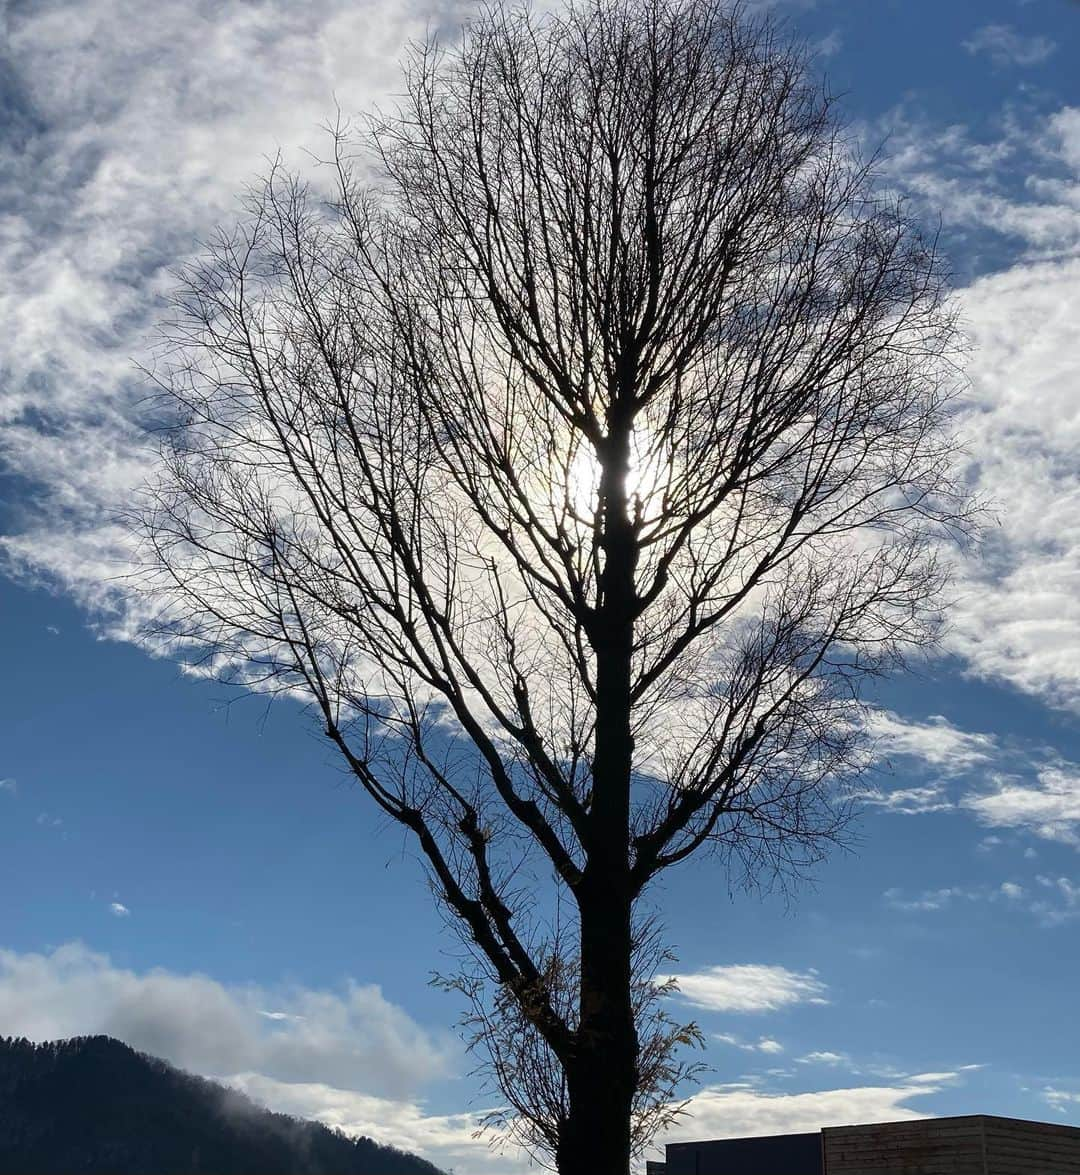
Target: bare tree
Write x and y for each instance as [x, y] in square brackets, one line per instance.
[578, 459]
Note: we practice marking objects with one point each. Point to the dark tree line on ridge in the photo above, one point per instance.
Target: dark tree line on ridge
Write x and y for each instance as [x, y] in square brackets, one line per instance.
[93, 1105]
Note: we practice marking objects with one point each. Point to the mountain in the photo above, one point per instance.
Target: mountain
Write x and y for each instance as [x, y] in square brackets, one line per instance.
[92, 1105]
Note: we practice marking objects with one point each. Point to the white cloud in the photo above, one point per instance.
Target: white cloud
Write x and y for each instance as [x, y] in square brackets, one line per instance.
[1051, 901]
[909, 801]
[9, 785]
[935, 742]
[934, 746]
[1015, 203]
[823, 1057]
[119, 909]
[1062, 1100]
[192, 1019]
[1059, 901]
[1025, 788]
[1005, 46]
[1018, 618]
[749, 987]
[930, 899]
[353, 1038]
[347, 1058]
[1065, 132]
[935, 1079]
[765, 5]
[1020, 187]
[1047, 806]
[764, 1045]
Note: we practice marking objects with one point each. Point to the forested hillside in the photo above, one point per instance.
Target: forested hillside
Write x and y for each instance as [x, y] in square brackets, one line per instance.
[92, 1104]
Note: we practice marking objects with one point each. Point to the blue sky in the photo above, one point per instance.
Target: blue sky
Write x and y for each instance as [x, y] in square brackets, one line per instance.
[194, 873]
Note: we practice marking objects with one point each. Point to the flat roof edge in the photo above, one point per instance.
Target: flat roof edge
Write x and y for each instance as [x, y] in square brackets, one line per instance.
[746, 1138]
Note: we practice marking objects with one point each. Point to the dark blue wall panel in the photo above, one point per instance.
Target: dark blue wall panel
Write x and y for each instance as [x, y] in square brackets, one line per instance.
[781, 1154]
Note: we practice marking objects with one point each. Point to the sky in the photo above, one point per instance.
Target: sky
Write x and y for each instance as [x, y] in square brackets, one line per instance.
[193, 873]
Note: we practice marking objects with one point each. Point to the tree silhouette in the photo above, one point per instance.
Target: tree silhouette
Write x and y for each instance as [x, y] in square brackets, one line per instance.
[578, 459]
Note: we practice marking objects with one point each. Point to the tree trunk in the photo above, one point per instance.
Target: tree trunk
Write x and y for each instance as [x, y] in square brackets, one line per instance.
[602, 1076]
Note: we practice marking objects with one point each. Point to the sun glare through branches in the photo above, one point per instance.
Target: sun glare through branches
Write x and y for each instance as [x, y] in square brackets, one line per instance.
[645, 481]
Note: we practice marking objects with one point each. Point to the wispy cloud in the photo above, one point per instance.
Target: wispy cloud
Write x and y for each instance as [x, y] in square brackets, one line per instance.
[119, 910]
[1056, 901]
[1005, 46]
[750, 987]
[936, 1079]
[765, 1044]
[829, 45]
[934, 746]
[1047, 805]
[1062, 1100]
[823, 1057]
[930, 899]
[1051, 901]
[910, 801]
[935, 742]
[767, 5]
[9, 786]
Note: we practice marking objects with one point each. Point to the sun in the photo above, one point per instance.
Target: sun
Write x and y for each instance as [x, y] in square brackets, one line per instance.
[643, 483]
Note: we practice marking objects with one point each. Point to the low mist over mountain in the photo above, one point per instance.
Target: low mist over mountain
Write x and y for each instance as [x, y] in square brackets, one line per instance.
[91, 1104]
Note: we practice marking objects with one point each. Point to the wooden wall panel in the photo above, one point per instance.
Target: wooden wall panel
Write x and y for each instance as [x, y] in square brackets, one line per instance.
[1031, 1148]
[943, 1146]
[973, 1145]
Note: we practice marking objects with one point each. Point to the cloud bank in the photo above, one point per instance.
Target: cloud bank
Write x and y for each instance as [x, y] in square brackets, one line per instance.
[735, 1111]
[353, 1038]
[722, 1111]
